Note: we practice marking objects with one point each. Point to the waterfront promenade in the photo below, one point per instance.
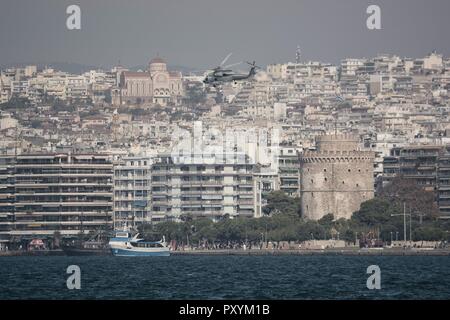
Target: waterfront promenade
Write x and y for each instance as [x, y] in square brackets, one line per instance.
[349, 251]
[352, 251]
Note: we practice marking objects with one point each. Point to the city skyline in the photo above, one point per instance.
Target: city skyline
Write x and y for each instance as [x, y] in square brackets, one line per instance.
[224, 149]
[199, 34]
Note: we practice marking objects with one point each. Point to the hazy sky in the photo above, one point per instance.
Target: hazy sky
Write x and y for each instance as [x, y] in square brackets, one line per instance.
[199, 33]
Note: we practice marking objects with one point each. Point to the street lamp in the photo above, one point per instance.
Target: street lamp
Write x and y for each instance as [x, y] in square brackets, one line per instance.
[404, 214]
[260, 198]
[410, 226]
[391, 238]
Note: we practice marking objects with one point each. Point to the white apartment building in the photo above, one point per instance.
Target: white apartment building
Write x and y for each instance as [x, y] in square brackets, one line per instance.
[349, 66]
[20, 88]
[278, 71]
[433, 61]
[202, 185]
[132, 183]
[76, 87]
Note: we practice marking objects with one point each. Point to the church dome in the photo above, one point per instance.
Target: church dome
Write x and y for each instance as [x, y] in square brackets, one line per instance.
[157, 65]
[157, 60]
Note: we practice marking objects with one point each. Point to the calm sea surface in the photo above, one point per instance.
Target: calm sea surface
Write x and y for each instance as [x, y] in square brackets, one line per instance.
[226, 277]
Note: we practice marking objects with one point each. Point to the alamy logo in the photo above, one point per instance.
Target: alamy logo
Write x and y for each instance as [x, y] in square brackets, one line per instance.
[73, 21]
[230, 145]
[374, 281]
[374, 20]
[74, 280]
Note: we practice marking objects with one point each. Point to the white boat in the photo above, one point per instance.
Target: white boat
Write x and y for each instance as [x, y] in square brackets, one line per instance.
[125, 245]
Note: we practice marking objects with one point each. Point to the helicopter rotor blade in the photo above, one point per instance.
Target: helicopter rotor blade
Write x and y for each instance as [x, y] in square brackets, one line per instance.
[225, 60]
[233, 64]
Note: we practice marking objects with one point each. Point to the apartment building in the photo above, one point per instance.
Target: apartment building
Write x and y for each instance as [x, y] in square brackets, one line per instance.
[202, 186]
[429, 166]
[443, 191]
[417, 162]
[265, 181]
[289, 171]
[6, 196]
[132, 178]
[47, 193]
[350, 66]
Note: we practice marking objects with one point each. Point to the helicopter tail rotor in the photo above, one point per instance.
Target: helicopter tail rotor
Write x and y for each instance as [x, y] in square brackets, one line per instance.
[252, 64]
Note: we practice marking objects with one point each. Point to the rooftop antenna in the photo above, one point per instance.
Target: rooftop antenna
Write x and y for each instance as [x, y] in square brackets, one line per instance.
[298, 54]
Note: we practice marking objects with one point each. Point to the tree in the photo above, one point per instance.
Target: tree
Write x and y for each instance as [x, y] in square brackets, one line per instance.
[428, 233]
[402, 190]
[202, 229]
[310, 230]
[171, 230]
[326, 220]
[280, 202]
[15, 103]
[375, 212]
[348, 235]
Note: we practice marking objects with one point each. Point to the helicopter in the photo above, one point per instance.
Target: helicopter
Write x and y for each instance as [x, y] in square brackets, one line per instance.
[221, 74]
